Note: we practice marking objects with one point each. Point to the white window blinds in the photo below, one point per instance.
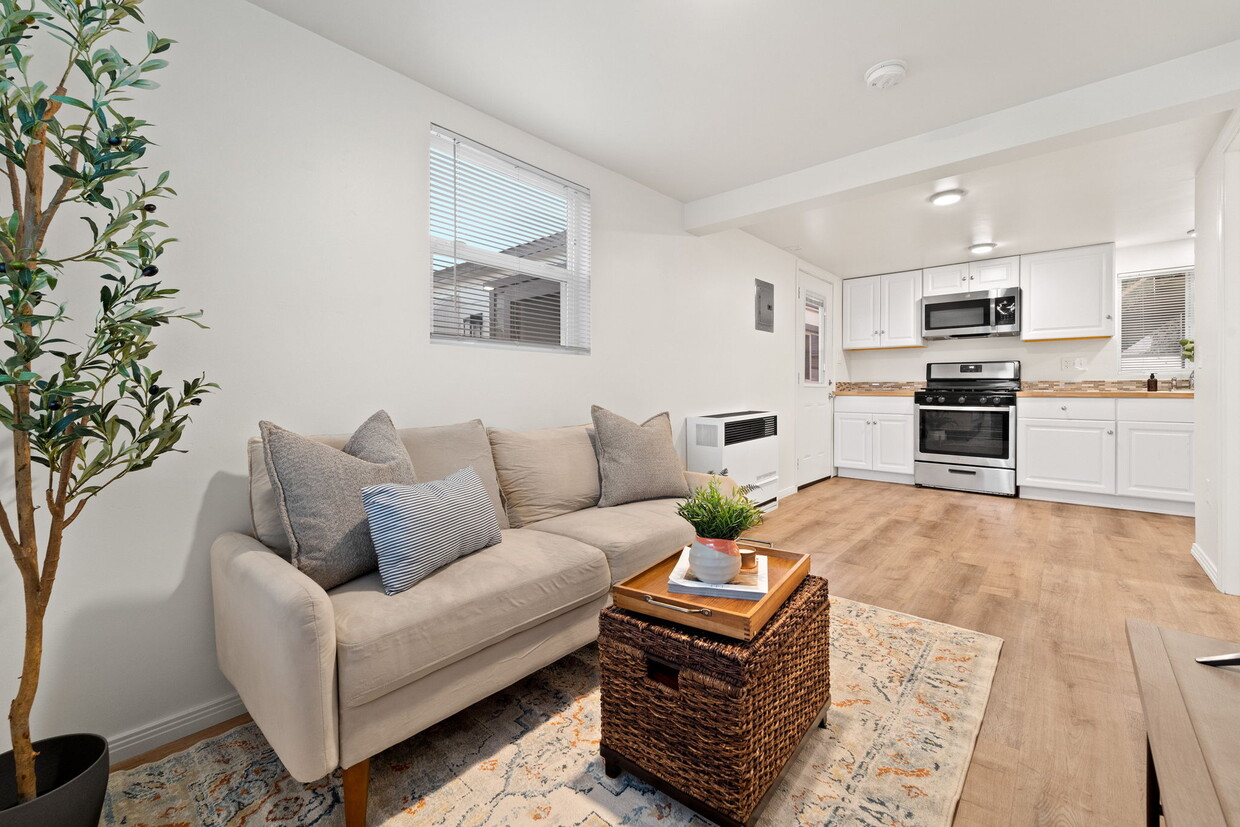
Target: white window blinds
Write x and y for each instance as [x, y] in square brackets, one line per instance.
[1156, 312]
[510, 249]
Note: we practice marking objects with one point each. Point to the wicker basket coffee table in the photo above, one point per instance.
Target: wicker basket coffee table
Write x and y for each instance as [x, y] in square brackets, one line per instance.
[711, 721]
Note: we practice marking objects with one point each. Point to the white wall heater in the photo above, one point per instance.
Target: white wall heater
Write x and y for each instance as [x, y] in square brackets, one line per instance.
[743, 444]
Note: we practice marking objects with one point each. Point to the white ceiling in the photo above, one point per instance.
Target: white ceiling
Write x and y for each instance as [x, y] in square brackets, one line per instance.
[695, 97]
[1133, 189]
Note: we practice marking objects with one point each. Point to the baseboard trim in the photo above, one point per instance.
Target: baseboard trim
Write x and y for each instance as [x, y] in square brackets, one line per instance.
[874, 476]
[154, 735]
[1150, 506]
[1207, 565]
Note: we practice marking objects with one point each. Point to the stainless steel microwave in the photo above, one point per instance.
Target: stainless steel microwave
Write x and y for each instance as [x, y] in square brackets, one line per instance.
[967, 315]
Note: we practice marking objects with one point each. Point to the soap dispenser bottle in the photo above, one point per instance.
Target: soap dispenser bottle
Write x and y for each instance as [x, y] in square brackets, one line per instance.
[1151, 384]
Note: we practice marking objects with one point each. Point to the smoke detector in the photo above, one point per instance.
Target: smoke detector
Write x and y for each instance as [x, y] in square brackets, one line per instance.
[886, 74]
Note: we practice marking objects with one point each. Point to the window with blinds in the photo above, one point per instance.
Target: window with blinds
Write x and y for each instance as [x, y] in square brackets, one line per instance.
[1156, 312]
[510, 250]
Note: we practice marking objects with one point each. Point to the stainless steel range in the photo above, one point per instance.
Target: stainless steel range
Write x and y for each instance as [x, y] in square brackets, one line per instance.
[966, 427]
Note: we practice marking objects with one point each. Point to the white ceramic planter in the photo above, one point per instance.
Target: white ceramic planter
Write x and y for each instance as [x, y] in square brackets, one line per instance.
[711, 565]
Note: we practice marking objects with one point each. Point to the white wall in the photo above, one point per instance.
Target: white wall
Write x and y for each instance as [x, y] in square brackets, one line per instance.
[1216, 453]
[302, 169]
[1039, 360]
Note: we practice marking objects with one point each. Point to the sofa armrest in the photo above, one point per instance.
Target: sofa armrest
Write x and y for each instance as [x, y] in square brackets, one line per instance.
[696, 480]
[275, 638]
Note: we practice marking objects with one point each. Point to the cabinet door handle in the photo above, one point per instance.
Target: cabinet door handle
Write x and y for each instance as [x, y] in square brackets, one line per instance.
[1109, 432]
[882, 331]
[1108, 315]
[1063, 407]
[970, 278]
[875, 332]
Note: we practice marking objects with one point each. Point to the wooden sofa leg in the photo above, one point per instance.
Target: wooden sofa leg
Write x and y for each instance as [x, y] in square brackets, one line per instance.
[356, 791]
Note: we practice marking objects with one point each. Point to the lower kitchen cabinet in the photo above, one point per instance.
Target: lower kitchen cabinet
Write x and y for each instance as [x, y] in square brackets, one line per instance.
[854, 442]
[893, 443]
[874, 438]
[1067, 455]
[1156, 460]
[1127, 453]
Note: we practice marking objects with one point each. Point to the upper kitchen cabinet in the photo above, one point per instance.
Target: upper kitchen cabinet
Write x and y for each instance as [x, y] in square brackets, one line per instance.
[1068, 294]
[940, 281]
[862, 300]
[883, 311]
[995, 274]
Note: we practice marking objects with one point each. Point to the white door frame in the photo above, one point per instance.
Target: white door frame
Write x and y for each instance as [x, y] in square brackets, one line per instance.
[815, 398]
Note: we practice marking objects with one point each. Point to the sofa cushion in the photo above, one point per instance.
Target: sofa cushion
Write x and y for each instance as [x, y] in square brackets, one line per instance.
[636, 462]
[419, 528]
[436, 452]
[440, 450]
[634, 536]
[319, 495]
[545, 473]
[384, 643]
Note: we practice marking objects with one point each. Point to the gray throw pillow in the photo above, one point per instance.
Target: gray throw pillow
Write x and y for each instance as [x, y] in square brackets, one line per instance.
[319, 493]
[636, 462]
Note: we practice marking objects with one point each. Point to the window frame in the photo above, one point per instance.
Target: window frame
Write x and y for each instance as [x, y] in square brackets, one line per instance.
[574, 279]
[1189, 320]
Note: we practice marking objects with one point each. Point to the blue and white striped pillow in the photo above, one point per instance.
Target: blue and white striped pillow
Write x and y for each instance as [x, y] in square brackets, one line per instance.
[418, 528]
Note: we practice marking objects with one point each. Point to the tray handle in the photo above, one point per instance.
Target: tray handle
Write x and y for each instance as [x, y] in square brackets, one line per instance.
[704, 612]
[751, 540]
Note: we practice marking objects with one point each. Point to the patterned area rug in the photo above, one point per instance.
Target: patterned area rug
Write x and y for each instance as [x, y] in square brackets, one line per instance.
[908, 696]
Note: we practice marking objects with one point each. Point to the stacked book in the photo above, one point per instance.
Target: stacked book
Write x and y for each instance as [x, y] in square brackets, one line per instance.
[749, 584]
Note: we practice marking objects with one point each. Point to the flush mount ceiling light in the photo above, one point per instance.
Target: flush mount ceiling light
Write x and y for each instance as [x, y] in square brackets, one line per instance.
[945, 198]
[982, 247]
[886, 74]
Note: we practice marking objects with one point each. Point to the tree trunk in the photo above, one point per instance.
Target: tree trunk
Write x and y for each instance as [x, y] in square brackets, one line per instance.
[19, 710]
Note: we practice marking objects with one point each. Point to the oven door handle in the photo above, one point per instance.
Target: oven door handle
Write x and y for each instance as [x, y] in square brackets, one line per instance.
[1000, 409]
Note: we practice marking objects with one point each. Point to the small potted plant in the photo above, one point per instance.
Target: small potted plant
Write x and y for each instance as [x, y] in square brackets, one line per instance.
[717, 520]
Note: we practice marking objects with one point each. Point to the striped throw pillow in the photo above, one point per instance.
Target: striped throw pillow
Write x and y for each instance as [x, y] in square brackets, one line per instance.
[419, 528]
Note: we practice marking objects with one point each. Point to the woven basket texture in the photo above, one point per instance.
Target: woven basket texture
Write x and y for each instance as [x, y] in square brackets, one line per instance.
[738, 710]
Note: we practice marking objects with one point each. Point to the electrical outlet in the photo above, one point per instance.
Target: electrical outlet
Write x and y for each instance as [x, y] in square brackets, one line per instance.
[1067, 364]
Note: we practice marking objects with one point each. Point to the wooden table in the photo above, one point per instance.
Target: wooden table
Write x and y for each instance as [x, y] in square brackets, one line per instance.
[1192, 722]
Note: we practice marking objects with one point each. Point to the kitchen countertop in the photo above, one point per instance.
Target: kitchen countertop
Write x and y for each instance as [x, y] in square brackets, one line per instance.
[1055, 394]
[1109, 394]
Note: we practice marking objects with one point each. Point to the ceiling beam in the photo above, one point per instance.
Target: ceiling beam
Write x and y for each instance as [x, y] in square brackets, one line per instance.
[1197, 84]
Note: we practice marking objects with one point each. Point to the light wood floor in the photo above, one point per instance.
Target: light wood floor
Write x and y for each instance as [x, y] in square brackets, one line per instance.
[1062, 742]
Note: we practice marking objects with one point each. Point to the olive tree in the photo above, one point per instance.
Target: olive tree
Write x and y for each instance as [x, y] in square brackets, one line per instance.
[80, 398]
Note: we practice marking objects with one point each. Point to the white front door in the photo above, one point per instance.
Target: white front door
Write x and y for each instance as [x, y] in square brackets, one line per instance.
[815, 380]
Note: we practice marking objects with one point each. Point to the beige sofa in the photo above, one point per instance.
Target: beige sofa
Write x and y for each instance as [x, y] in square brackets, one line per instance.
[334, 677]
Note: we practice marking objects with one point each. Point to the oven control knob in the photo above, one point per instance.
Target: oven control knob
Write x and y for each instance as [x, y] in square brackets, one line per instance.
[942, 399]
[962, 400]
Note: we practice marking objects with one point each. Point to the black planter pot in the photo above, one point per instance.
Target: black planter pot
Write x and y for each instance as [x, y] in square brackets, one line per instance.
[71, 773]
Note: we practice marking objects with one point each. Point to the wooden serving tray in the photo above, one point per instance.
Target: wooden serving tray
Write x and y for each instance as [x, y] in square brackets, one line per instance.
[730, 616]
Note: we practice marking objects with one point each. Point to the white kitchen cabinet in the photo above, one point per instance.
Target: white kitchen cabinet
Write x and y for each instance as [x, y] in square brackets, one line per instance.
[1155, 460]
[854, 443]
[862, 306]
[1066, 454]
[1068, 294]
[874, 434]
[882, 311]
[940, 281]
[901, 310]
[893, 443]
[994, 274]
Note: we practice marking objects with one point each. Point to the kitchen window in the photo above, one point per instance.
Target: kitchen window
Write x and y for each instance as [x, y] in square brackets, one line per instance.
[510, 250]
[1156, 312]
